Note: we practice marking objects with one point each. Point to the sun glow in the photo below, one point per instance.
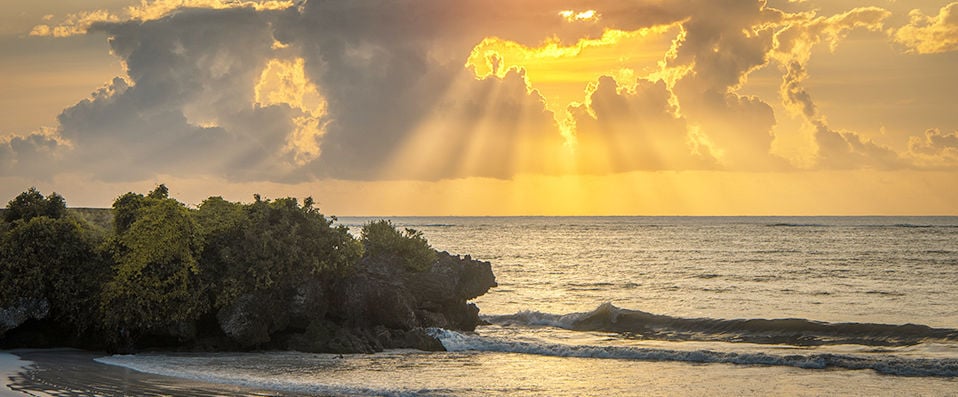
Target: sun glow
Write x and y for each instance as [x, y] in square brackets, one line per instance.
[284, 82]
[563, 73]
[573, 16]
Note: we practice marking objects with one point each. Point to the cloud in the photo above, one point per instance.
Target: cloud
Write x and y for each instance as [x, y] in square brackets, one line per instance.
[935, 149]
[34, 154]
[148, 10]
[73, 24]
[188, 105]
[634, 128]
[930, 34]
[793, 50]
[493, 127]
[848, 150]
[284, 91]
[720, 45]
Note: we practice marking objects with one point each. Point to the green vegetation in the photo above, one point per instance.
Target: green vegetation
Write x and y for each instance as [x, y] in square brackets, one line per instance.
[270, 245]
[383, 240]
[155, 282]
[31, 204]
[47, 254]
[152, 263]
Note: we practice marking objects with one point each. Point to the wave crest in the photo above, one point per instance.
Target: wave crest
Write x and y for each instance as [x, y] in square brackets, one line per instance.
[791, 331]
[889, 365]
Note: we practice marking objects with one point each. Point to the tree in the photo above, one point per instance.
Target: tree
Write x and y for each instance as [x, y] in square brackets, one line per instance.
[223, 225]
[382, 240]
[31, 203]
[125, 210]
[156, 273]
[270, 246]
[160, 192]
[48, 254]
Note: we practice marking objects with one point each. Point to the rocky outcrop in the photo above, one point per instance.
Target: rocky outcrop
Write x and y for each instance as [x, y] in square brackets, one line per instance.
[25, 309]
[380, 305]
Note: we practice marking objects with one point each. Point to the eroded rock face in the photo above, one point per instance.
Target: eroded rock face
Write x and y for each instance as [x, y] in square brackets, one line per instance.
[253, 318]
[441, 294]
[25, 309]
[391, 296]
[379, 306]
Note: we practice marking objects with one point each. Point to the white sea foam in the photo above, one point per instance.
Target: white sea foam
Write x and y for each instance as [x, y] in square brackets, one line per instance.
[889, 365]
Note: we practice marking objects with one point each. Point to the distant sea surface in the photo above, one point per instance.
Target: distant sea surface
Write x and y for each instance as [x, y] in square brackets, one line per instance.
[662, 306]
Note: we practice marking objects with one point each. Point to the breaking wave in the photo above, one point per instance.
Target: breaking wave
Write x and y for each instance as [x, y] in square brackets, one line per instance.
[789, 331]
[889, 365]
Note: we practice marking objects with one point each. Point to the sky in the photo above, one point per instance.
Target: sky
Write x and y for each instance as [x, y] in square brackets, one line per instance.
[482, 107]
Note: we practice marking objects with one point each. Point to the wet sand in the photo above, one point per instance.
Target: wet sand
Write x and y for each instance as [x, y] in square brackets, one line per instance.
[71, 372]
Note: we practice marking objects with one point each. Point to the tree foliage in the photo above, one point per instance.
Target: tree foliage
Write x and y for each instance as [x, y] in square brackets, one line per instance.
[47, 255]
[270, 245]
[156, 272]
[31, 204]
[163, 264]
[382, 239]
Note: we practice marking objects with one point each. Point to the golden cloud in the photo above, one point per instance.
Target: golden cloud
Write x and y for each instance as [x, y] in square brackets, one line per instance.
[79, 23]
[930, 34]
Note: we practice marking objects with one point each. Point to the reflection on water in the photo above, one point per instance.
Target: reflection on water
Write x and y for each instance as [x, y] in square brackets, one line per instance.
[511, 374]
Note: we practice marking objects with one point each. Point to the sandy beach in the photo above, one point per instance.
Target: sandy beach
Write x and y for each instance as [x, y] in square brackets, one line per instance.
[10, 366]
[71, 372]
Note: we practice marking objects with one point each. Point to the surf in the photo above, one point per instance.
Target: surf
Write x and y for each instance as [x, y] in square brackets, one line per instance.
[886, 364]
[788, 331]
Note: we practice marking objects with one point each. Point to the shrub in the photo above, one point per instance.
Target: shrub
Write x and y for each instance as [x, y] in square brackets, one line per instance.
[46, 254]
[31, 203]
[270, 245]
[382, 240]
[155, 281]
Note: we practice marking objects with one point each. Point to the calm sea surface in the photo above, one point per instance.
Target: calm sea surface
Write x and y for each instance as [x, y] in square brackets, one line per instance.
[662, 306]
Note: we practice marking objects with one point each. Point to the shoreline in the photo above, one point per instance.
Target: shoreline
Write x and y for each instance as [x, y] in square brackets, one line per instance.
[11, 366]
[73, 372]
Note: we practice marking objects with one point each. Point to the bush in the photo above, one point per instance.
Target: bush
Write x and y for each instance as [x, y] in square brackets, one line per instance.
[46, 254]
[155, 282]
[382, 240]
[31, 203]
[270, 245]
[164, 265]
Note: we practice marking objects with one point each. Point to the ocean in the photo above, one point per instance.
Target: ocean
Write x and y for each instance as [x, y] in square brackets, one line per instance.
[609, 306]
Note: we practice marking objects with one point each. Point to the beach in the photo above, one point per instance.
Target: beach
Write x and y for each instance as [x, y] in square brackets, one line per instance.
[10, 367]
[72, 372]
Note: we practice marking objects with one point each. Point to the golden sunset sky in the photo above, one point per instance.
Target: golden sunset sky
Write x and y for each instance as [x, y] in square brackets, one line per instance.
[481, 107]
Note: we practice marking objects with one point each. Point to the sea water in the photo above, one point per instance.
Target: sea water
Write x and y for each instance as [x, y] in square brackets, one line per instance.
[661, 306]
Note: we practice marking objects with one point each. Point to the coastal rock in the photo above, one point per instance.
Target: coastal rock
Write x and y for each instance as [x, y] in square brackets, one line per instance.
[389, 295]
[308, 303]
[252, 319]
[442, 293]
[24, 310]
[380, 304]
[416, 338]
[384, 304]
[367, 299]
